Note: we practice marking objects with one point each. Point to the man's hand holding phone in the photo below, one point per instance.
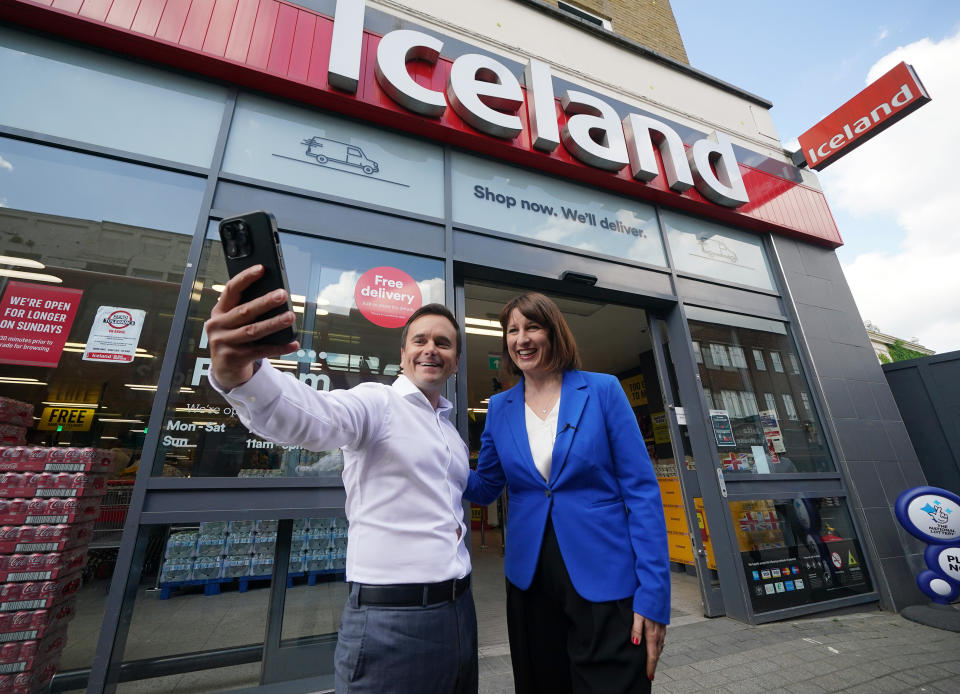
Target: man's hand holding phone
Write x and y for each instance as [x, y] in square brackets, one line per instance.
[236, 330]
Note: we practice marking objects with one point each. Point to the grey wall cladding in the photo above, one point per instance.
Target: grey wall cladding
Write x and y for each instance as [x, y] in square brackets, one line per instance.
[875, 454]
[927, 391]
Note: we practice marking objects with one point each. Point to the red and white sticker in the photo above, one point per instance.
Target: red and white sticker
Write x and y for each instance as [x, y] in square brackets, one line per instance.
[387, 296]
[836, 559]
[114, 334]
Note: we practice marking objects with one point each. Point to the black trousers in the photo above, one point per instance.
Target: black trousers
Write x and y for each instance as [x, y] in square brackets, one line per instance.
[561, 643]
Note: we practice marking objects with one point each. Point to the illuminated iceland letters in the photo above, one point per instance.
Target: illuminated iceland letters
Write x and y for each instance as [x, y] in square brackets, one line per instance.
[487, 96]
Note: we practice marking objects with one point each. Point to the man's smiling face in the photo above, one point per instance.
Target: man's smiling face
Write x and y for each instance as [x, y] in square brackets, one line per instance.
[429, 356]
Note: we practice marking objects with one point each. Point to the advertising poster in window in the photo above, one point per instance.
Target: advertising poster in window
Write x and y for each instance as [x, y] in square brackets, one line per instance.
[636, 390]
[798, 551]
[35, 321]
[387, 296]
[661, 429]
[722, 429]
[772, 433]
[114, 335]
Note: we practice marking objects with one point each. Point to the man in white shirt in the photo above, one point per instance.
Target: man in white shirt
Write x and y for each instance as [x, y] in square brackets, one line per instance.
[409, 624]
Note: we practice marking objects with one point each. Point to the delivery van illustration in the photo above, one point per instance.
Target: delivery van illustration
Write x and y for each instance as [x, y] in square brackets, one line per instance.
[324, 149]
[716, 249]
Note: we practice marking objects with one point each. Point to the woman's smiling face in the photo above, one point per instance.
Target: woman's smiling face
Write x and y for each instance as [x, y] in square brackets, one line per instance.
[528, 343]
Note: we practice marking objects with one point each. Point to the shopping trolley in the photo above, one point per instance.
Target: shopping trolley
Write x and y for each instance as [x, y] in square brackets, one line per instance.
[108, 529]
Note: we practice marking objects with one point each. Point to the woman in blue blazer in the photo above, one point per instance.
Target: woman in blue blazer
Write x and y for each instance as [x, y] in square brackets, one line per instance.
[588, 577]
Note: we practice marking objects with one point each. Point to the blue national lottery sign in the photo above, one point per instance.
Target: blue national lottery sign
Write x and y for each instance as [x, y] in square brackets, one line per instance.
[933, 515]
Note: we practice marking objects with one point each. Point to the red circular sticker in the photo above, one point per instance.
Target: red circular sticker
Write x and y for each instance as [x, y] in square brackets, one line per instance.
[119, 320]
[387, 296]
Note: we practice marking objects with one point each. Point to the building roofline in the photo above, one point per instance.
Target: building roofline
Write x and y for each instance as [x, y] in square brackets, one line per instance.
[640, 49]
[877, 336]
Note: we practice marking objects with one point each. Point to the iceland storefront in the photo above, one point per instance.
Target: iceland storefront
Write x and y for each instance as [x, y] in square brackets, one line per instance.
[404, 166]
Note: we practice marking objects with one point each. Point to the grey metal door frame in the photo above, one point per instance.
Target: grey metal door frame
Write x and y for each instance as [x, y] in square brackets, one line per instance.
[710, 595]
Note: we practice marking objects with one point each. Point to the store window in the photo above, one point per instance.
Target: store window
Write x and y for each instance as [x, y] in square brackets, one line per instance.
[514, 201]
[92, 255]
[718, 252]
[798, 551]
[305, 149]
[751, 440]
[347, 336]
[204, 587]
[57, 89]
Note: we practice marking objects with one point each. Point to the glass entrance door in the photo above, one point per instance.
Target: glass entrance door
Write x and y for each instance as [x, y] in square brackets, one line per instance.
[613, 338]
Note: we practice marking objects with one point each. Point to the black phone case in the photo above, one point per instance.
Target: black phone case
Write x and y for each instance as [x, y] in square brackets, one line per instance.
[266, 251]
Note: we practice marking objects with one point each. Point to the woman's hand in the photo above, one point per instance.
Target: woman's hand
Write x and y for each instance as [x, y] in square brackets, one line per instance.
[653, 633]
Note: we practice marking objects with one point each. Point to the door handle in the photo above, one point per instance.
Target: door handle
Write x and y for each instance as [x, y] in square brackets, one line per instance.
[723, 485]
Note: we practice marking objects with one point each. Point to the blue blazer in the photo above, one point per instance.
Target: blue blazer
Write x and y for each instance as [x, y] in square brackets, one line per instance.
[602, 494]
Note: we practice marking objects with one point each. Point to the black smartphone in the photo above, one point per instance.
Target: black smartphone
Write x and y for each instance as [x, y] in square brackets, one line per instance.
[251, 239]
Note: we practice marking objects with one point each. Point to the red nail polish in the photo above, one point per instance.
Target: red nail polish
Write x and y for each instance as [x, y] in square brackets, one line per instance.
[651, 678]
[636, 641]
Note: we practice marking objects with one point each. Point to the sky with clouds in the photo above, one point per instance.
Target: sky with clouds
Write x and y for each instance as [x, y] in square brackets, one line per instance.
[894, 199]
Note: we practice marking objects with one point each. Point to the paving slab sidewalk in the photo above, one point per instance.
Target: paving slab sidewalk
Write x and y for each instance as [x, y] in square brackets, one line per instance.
[868, 651]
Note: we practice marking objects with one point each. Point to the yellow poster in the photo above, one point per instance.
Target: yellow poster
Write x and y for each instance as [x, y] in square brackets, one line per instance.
[66, 419]
[704, 532]
[636, 390]
[661, 430]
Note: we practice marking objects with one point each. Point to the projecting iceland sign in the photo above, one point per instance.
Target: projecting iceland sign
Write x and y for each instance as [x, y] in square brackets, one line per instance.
[886, 100]
[487, 96]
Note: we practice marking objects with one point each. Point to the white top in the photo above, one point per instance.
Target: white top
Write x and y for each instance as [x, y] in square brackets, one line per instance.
[541, 433]
[404, 469]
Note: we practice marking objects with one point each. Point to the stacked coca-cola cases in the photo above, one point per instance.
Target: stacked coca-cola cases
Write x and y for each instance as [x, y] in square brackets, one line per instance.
[49, 499]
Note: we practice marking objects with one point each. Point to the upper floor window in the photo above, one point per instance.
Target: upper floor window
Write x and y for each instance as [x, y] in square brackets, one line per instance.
[736, 357]
[758, 359]
[586, 16]
[777, 362]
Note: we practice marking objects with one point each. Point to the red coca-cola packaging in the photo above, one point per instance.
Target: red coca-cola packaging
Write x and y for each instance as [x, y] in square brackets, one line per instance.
[95, 460]
[56, 510]
[38, 595]
[77, 484]
[35, 624]
[16, 412]
[35, 663]
[41, 567]
[8, 481]
[10, 652]
[29, 651]
[13, 511]
[28, 539]
[36, 459]
[18, 484]
[9, 534]
[31, 681]
[50, 511]
[13, 435]
[14, 457]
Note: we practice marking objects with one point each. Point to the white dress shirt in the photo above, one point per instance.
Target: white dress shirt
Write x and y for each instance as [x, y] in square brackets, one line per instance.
[404, 469]
[541, 434]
